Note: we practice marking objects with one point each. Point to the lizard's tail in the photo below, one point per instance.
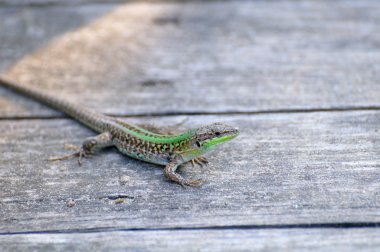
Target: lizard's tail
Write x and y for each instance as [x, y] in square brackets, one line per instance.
[90, 118]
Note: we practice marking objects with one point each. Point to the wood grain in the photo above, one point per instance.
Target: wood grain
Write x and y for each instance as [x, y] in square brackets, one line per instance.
[209, 57]
[363, 239]
[25, 29]
[290, 181]
[284, 169]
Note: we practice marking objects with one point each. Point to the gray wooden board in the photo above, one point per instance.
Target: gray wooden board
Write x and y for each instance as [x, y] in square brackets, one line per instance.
[25, 29]
[284, 169]
[145, 58]
[362, 239]
[47, 3]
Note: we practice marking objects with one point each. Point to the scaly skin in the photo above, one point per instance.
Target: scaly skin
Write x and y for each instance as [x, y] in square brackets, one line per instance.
[136, 142]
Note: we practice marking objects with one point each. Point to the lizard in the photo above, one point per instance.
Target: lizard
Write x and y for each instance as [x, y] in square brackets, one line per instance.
[134, 141]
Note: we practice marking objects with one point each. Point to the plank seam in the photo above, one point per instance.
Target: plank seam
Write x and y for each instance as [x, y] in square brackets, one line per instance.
[36, 4]
[343, 225]
[205, 113]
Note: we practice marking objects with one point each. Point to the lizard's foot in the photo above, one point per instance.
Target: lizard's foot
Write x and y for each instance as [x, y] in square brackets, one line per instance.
[199, 161]
[83, 154]
[175, 177]
[89, 146]
[80, 153]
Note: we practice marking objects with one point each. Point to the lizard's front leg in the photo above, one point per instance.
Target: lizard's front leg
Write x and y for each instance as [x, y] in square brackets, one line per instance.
[89, 146]
[172, 175]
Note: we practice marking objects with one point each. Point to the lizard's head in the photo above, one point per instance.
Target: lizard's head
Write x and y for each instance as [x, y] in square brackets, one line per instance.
[207, 137]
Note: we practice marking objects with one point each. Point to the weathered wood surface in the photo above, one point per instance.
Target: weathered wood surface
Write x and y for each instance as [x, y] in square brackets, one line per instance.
[48, 3]
[25, 29]
[143, 58]
[293, 169]
[362, 239]
[282, 185]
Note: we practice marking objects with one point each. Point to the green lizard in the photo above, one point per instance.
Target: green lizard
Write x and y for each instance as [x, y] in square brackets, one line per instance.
[134, 141]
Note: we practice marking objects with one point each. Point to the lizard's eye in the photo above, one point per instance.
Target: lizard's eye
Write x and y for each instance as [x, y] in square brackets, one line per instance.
[217, 133]
[198, 144]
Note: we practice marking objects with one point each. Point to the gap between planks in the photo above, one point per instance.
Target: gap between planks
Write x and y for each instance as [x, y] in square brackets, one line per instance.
[52, 3]
[205, 113]
[343, 225]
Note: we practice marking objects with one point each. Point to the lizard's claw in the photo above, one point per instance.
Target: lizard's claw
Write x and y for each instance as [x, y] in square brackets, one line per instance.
[199, 161]
[63, 157]
[80, 153]
[83, 154]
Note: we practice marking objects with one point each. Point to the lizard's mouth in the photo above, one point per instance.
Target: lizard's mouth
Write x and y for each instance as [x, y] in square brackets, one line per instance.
[220, 139]
[208, 145]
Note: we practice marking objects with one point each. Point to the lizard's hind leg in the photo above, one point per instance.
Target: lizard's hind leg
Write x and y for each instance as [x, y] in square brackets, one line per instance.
[89, 146]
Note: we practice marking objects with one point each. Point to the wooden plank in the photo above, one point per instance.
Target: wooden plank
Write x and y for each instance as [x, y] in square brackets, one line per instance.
[145, 58]
[284, 169]
[24, 29]
[47, 3]
[358, 239]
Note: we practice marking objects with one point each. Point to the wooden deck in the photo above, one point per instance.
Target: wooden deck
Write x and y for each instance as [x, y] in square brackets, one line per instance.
[301, 79]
